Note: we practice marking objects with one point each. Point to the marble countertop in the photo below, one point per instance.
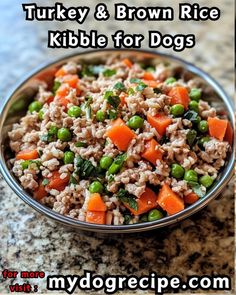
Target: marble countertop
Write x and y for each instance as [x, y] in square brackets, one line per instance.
[202, 244]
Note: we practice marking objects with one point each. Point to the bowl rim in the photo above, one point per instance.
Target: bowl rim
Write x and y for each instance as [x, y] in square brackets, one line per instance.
[227, 173]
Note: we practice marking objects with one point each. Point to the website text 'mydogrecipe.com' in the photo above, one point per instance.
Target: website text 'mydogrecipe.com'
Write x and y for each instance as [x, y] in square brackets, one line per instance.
[113, 283]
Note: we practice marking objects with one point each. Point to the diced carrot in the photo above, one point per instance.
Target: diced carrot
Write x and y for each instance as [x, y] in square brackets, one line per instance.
[61, 94]
[27, 155]
[71, 80]
[152, 153]
[229, 134]
[148, 76]
[96, 203]
[128, 62]
[40, 192]
[191, 198]
[97, 217]
[217, 127]
[169, 200]
[160, 122]
[146, 202]
[55, 181]
[151, 83]
[179, 95]
[120, 134]
[63, 91]
[60, 73]
[123, 95]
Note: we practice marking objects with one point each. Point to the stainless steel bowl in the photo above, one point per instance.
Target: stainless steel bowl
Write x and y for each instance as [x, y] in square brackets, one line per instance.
[15, 105]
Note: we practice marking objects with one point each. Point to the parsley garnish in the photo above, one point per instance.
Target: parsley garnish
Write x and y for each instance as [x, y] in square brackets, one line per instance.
[135, 80]
[55, 87]
[109, 72]
[126, 198]
[141, 86]
[112, 99]
[119, 86]
[196, 187]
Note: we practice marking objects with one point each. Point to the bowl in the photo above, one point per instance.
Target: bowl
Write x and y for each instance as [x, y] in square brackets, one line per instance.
[15, 105]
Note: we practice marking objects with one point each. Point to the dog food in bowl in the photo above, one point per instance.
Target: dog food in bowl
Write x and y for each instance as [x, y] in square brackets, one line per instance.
[119, 143]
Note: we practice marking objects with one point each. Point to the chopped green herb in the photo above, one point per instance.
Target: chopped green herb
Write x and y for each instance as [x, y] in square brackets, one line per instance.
[192, 116]
[110, 178]
[91, 70]
[81, 144]
[107, 94]
[191, 137]
[126, 198]
[127, 219]
[112, 114]
[131, 91]
[86, 71]
[73, 180]
[141, 86]
[119, 86]
[51, 135]
[85, 168]
[109, 72]
[55, 87]
[135, 80]
[119, 160]
[45, 182]
[196, 187]
[114, 101]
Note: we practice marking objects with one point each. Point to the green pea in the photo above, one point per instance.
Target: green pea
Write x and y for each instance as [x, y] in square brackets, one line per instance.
[193, 105]
[177, 171]
[203, 126]
[154, 215]
[114, 168]
[74, 111]
[100, 116]
[41, 114]
[177, 110]
[206, 180]
[202, 141]
[144, 218]
[53, 130]
[135, 122]
[191, 175]
[106, 162]
[96, 187]
[170, 80]
[35, 106]
[69, 157]
[195, 94]
[64, 134]
[25, 164]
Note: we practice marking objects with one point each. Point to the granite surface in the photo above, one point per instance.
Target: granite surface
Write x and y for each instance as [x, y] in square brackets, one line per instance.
[202, 244]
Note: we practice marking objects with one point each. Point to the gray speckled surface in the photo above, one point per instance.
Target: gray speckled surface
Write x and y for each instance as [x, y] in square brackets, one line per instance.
[202, 244]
